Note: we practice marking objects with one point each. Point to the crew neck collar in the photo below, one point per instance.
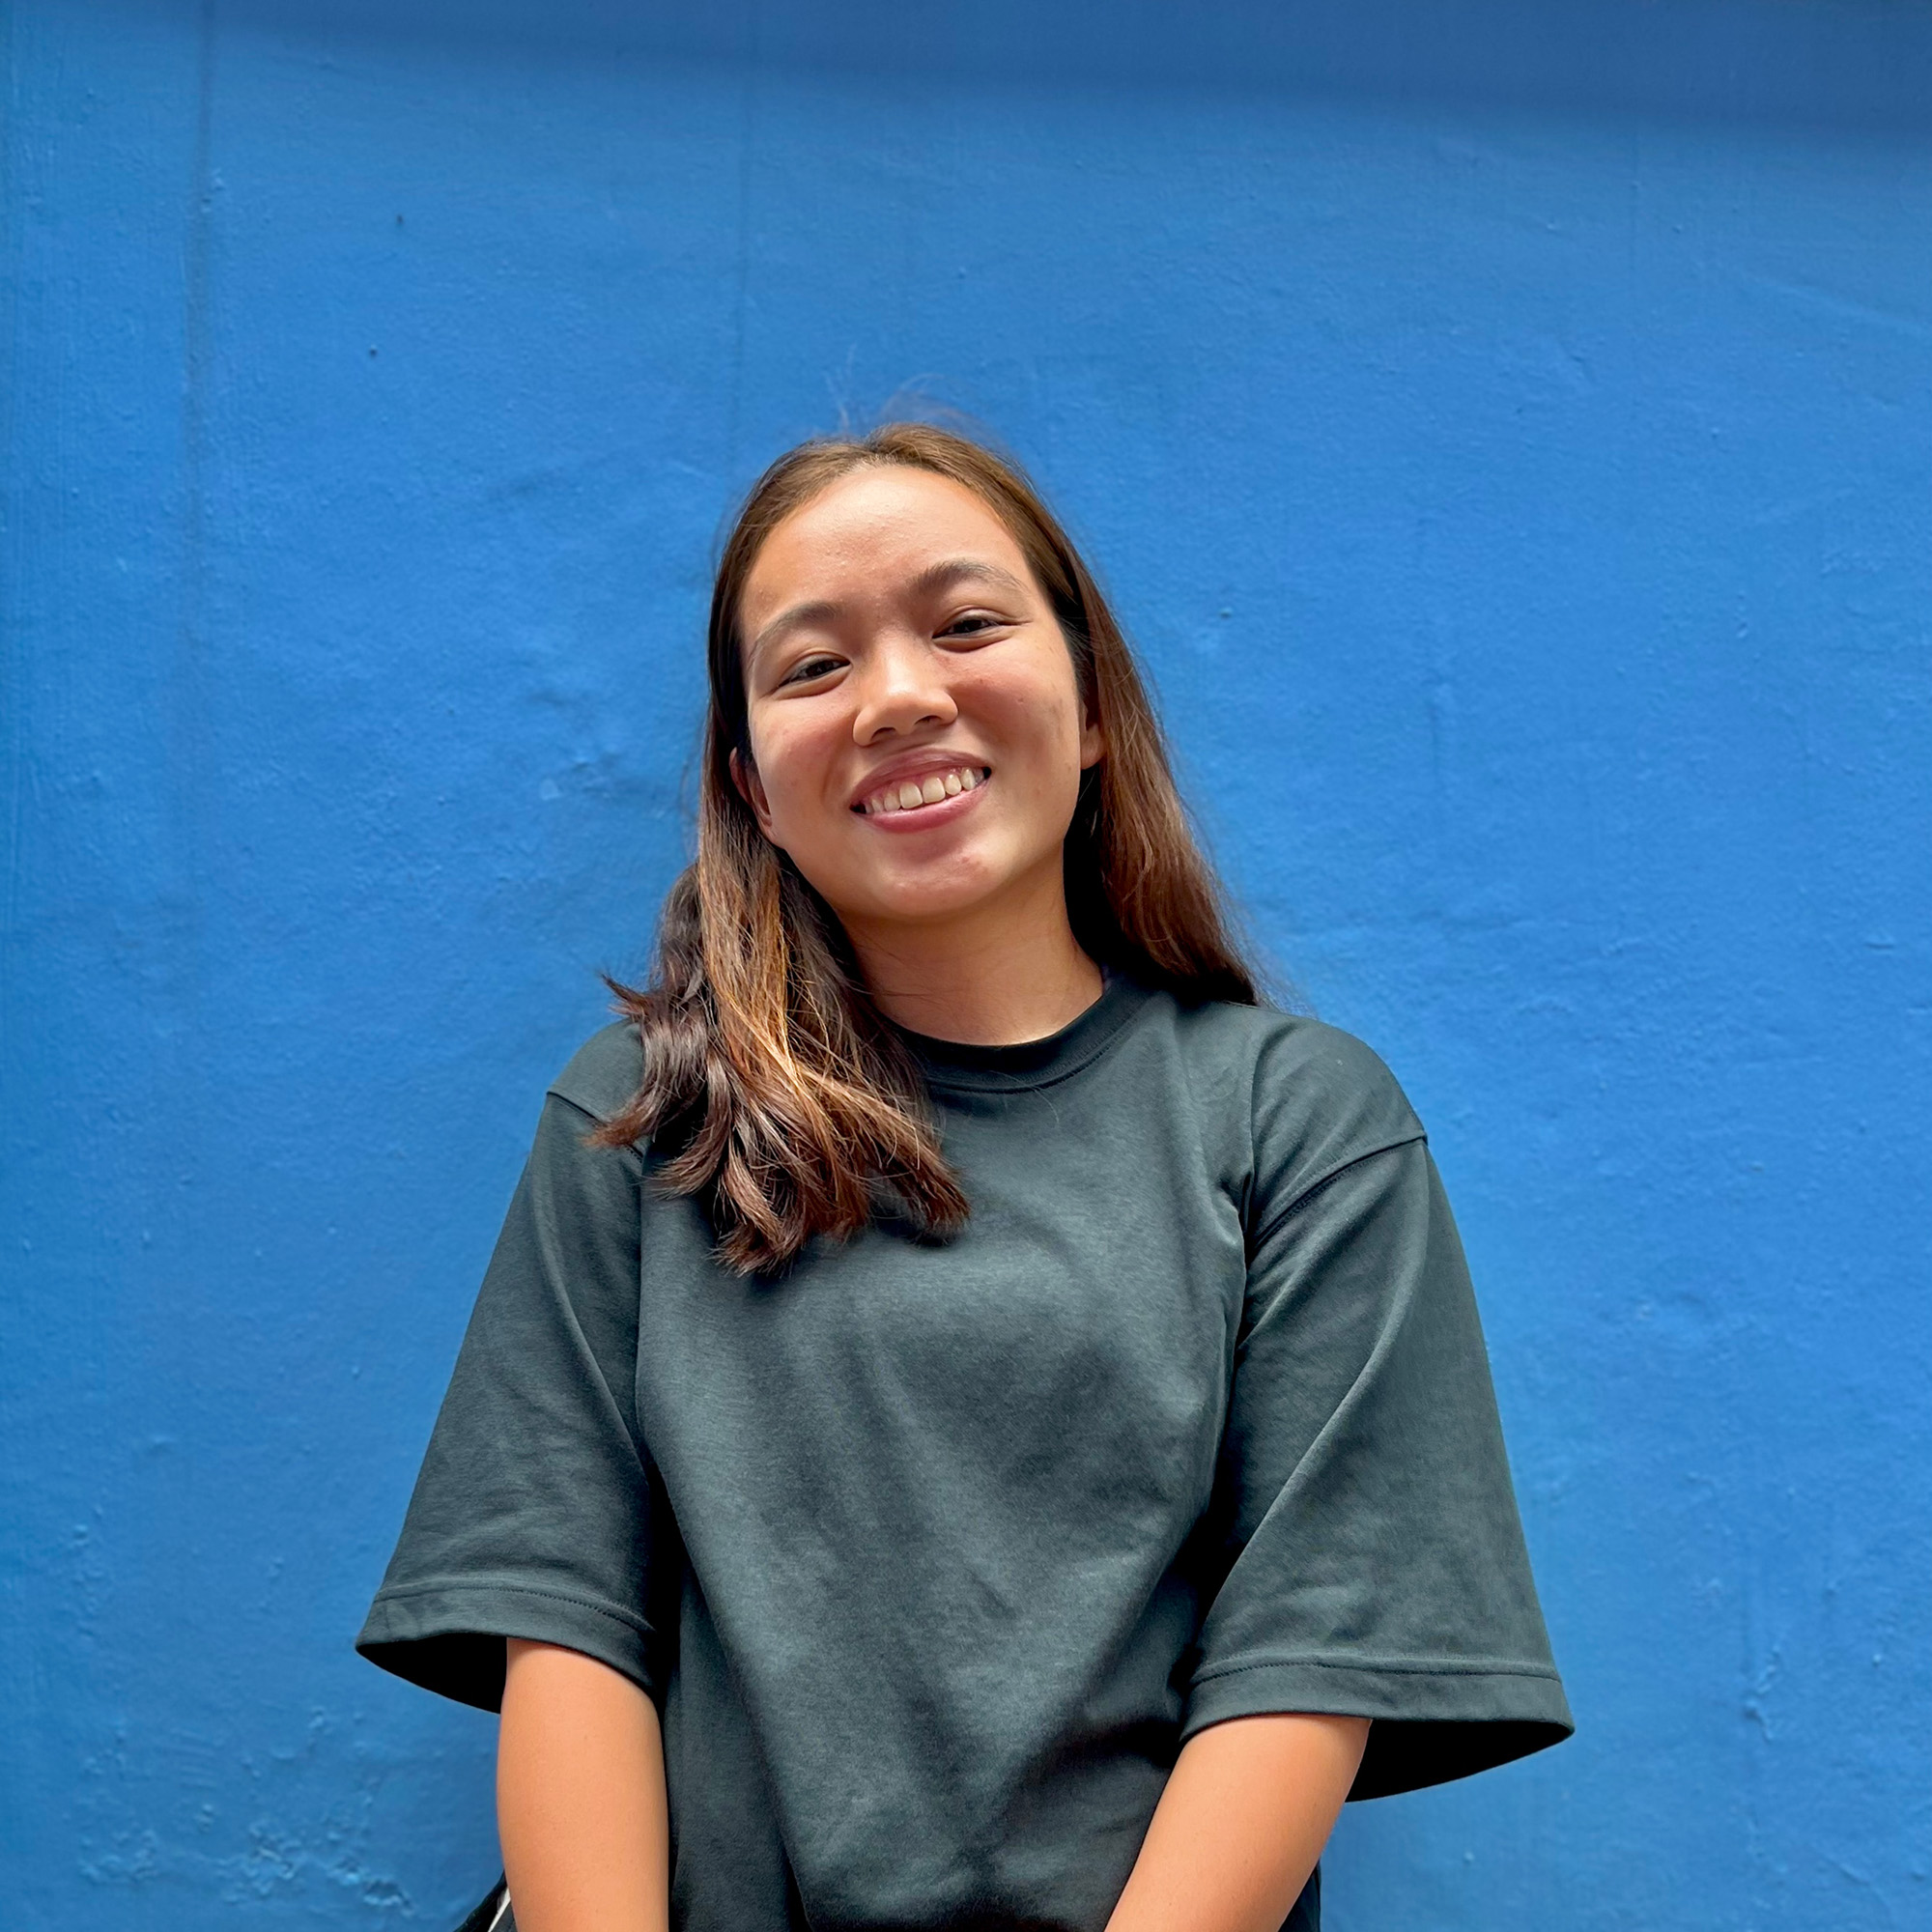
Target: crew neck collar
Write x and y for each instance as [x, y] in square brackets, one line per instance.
[1031, 1062]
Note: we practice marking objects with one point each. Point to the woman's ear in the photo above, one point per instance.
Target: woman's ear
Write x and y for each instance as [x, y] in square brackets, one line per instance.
[1092, 742]
[751, 789]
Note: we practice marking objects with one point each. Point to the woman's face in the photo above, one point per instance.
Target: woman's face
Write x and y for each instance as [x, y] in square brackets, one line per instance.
[916, 727]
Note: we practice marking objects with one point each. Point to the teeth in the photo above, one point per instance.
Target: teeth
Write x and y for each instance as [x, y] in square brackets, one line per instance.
[908, 796]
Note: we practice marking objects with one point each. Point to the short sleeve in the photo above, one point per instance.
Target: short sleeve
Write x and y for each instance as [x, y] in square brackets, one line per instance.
[536, 1510]
[1370, 1557]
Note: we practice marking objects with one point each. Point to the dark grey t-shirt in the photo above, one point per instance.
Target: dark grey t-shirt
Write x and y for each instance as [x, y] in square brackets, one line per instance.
[934, 1553]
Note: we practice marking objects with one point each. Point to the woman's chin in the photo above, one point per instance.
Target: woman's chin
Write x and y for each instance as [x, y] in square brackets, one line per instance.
[919, 904]
[960, 888]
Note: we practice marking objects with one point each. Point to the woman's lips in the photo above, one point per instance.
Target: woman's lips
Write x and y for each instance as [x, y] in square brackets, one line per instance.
[958, 789]
[920, 789]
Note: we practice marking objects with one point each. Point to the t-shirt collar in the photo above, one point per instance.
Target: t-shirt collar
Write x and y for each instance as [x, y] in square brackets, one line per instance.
[1032, 1063]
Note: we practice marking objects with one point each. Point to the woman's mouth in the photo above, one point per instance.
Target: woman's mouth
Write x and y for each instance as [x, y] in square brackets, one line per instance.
[919, 794]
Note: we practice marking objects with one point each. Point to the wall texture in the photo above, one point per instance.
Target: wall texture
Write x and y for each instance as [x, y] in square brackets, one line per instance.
[1508, 430]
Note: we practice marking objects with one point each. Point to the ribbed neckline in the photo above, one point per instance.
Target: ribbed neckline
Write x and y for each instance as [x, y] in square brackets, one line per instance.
[1032, 1063]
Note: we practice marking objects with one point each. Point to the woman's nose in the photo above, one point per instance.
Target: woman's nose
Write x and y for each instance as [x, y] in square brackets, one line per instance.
[903, 688]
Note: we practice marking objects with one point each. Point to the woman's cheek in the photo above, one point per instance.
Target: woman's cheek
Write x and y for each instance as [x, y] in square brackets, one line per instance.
[793, 769]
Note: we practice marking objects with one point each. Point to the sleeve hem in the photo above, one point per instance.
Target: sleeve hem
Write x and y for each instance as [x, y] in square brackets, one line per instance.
[1432, 1720]
[1393, 1666]
[448, 1638]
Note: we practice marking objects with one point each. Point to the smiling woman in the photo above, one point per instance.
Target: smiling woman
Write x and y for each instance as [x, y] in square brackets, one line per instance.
[972, 1421]
[886, 613]
[922, 652]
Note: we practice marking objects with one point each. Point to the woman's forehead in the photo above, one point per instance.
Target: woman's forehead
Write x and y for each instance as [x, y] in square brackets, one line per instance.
[885, 520]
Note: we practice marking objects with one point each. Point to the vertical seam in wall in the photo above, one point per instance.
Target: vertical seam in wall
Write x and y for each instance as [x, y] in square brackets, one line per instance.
[12, 655]
[741, 291]
[188, 733]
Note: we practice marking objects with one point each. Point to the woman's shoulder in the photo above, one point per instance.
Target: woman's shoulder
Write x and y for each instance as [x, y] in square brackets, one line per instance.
[1318, 1096]
[1282, 1050]
[602, 1074]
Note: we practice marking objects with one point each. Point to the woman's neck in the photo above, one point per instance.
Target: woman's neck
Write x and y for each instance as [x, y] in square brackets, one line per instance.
[993, 978]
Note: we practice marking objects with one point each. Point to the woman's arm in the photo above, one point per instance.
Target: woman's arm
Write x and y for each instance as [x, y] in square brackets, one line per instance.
[581, 1795]
[1246, 1812]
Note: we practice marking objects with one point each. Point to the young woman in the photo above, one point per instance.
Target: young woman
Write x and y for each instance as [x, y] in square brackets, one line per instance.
[972, 1421]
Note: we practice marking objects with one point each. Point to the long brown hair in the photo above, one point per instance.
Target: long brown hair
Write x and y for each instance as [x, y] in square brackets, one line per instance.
[773, 1087]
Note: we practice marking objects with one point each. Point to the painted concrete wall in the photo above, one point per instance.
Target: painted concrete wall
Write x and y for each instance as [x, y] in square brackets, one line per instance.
[1508, 431]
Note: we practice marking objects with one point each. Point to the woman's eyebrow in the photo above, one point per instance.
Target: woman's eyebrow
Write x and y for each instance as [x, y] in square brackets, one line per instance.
[934, 578]
[963, 570]
[816, 611]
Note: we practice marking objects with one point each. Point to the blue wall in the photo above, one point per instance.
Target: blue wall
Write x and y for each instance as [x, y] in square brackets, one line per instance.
[1507, 429]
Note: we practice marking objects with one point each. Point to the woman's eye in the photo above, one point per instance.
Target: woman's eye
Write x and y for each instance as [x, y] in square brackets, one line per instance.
[807, 668]
[973, 624]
